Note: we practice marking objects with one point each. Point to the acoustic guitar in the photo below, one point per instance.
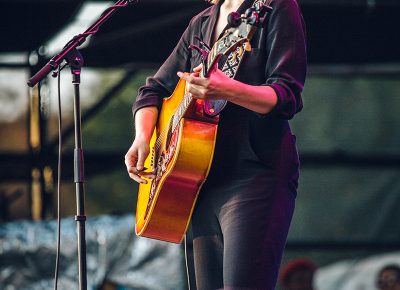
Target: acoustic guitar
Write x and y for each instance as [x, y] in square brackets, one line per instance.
[183, 141]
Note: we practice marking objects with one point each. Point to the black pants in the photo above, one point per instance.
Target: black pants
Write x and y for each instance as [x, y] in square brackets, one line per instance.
[239, 233]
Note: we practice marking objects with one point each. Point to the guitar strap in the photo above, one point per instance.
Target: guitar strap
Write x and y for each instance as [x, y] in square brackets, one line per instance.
[234, 59]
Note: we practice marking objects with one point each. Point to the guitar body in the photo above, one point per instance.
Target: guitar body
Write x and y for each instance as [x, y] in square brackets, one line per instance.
[182, 160]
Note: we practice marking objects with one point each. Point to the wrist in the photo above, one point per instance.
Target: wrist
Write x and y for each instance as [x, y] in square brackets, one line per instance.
[232, 90]
[142, 137]
[145, 121]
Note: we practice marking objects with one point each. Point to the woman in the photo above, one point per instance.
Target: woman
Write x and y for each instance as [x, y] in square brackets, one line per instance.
[244, 209]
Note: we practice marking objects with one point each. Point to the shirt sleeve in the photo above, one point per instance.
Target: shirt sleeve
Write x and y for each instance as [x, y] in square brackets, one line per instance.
[287, 58]
[162, 84]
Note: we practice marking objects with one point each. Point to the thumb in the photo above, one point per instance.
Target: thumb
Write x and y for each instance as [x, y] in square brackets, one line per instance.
[198, 68]
[142, 154]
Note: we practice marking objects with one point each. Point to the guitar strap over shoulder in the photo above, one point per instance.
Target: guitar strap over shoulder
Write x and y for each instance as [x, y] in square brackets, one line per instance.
[234, 59]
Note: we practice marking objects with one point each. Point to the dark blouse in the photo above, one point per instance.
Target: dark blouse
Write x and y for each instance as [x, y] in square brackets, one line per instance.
[277, 59]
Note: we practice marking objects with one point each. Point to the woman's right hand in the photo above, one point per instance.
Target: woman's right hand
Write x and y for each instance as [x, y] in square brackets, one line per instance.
[134, 161]
[145, 120]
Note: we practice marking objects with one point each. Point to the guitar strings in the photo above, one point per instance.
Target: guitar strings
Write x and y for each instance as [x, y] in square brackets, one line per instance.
[177, 116]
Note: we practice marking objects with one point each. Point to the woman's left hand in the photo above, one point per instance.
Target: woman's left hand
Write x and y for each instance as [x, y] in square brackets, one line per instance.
[211, 88]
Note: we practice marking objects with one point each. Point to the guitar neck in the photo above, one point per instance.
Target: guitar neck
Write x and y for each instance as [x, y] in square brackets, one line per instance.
[181, 110]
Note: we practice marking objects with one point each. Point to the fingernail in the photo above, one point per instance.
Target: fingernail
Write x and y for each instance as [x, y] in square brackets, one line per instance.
[179, 74]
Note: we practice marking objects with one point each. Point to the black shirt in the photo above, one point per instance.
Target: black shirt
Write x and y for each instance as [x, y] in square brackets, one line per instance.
[247, 140]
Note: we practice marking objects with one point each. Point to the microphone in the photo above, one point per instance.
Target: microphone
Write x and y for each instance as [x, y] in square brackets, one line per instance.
[42, 73]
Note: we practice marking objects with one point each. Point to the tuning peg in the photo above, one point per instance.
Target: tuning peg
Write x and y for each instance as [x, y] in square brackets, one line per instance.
[265, 10]
[203, 52]
[234, 19]
[251, 15]
[203, 44]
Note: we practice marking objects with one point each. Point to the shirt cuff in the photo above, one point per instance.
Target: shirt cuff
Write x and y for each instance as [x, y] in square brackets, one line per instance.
[149, 101]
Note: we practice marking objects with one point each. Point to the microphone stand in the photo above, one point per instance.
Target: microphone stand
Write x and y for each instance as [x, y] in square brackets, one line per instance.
[74, 59]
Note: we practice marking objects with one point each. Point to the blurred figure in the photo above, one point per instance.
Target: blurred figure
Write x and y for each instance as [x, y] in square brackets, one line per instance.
[298, 274]
[389, 278]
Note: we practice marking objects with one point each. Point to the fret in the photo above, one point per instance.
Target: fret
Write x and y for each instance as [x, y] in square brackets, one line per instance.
[183, 106]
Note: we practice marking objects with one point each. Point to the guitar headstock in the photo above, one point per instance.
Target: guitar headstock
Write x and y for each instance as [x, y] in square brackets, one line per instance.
[234, 37]
[241, 31]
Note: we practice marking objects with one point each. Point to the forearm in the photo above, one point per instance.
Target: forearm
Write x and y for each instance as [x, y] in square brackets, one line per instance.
[260, 99]
[145, 121]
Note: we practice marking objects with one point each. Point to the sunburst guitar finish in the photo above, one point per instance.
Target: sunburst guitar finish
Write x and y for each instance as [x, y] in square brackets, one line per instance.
[181, 154]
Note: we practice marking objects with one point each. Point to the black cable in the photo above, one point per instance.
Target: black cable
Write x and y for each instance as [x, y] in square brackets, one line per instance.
[187, 262]
[58, 181]
[87, 33]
